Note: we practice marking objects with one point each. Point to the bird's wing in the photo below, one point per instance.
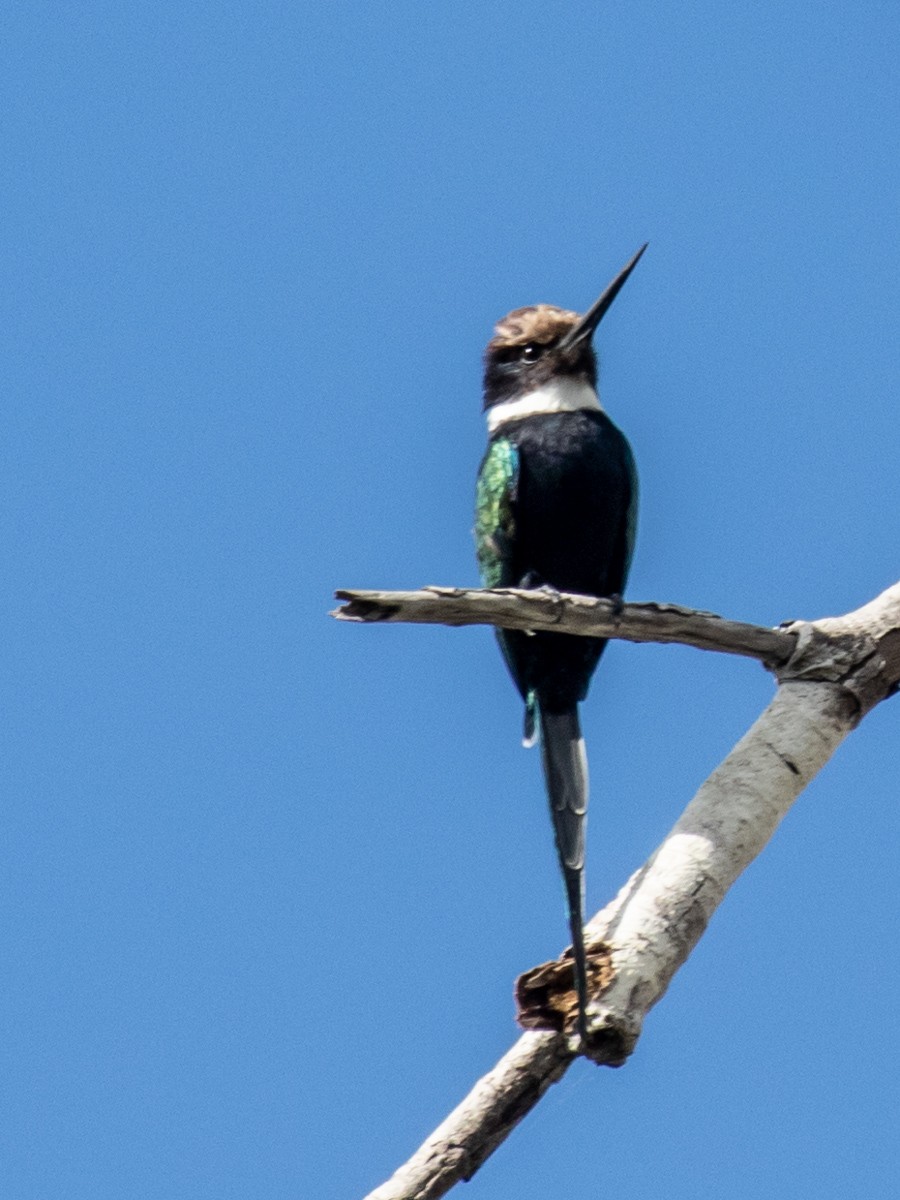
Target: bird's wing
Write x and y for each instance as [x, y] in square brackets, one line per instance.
[624, 546]
[495, 498]
[631, 515]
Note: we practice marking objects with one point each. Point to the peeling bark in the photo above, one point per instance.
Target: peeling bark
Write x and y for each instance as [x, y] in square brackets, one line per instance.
[831, 673]
[662, 911]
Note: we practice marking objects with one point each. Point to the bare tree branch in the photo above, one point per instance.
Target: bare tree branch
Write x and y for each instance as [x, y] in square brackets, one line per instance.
[563, 612]
[841, 668]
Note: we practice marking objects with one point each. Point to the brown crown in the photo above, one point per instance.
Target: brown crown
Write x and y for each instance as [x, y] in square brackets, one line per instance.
[542, 323]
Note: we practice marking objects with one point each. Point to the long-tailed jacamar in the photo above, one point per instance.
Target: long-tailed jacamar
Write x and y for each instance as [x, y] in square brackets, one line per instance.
[556, 507]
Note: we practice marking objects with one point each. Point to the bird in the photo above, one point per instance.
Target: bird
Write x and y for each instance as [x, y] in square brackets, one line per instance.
[555, 508]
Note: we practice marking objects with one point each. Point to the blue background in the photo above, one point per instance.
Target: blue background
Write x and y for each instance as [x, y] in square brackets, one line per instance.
[266, 879]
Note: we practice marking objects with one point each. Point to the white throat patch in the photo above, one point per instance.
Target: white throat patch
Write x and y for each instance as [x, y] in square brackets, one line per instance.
[559, 395]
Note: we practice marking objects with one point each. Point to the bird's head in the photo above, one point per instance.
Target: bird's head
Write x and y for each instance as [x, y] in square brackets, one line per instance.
[534, 346]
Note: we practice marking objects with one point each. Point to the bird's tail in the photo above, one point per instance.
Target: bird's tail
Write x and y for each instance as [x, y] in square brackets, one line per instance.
[566, 775]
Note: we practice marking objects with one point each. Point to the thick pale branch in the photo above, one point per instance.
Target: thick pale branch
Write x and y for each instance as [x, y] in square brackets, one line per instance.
[490, 1112]
[563, 612]
[841, 668]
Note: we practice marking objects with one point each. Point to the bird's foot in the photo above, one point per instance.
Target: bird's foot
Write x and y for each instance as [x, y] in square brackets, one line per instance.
[618, 604]
[531, 581]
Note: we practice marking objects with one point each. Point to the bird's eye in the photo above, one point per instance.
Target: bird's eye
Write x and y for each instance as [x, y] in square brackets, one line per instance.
[532, 351]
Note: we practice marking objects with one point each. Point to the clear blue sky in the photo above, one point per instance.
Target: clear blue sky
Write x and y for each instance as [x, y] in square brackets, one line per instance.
[266, 880]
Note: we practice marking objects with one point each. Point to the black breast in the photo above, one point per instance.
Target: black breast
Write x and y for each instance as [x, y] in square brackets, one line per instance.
[573, 500]
[571, 521]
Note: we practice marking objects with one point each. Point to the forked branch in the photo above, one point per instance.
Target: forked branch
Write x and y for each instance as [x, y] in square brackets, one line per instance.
[831, 673]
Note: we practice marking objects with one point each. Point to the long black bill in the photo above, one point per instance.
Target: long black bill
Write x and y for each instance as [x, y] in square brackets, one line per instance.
[595, 314]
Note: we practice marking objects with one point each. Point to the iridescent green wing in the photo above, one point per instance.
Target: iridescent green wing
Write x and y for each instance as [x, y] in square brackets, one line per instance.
[495, 498]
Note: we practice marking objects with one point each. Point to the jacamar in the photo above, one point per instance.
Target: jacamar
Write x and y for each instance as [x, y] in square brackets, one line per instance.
[555, 508]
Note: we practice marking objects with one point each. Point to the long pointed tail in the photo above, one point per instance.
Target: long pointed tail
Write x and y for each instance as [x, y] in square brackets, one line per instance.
[566, 775]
